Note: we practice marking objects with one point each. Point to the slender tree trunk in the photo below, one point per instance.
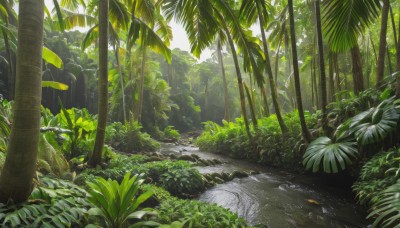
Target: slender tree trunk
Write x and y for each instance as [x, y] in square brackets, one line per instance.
[274, 93]
[205, 101]
[265, 101]
[95, 159]
[358, 78]
[19, 167]
[368, 67]
[398, 63]
[382, 44]
[141, 85]
[240, 82]
[296, 74]
[226, 98]
[374, 49]
[121, 80]
[389, 61]
[393, 26]
[321, 64]
[331, 84]
[337, 73]
[251, 105]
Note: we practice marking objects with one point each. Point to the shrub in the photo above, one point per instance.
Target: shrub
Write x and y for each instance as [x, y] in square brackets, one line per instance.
[268, 145]
[115, 203]
[128, 138]
[376, 175]
[55, 203]
[171, 133]
[197, 214]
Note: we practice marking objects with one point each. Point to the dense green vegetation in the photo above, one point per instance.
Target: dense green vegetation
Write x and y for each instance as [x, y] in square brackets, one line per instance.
[91, 89]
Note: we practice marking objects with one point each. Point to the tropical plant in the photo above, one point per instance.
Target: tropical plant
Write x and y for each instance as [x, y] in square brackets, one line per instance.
[54, 203]
[377, 174]
[375, 124]
[194, 213]
[332, 154]
[386, 210]
[182, 182]
[117, 204]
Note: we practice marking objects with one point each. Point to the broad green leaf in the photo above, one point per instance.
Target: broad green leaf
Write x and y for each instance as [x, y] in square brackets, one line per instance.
[55, 85]
[52, 58]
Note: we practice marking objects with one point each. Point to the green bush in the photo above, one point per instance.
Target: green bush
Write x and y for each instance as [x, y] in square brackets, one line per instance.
[128, 138]
[182, 182]
[171, 133]
[269, 147]
[117, 205]
[54, 203]
[376, 175]
[197, 214]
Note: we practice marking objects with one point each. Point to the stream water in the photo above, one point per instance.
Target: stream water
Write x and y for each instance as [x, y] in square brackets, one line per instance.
[275, 198]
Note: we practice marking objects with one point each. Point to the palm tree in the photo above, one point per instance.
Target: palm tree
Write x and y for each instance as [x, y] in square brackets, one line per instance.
[20, 165]
[344, 22]
[226, 98]
[203, 20]
[253, 9]
[95, 159]
[322, 77]
[382, 44]
[398, 63]
[296, 74]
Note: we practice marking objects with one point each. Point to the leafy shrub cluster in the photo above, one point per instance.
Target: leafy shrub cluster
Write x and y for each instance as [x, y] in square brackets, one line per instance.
[171, 134]
[361, 135]
[55, 203]
[177, 177]
[268, 145]
[128, 138]
[377, 174]
[194, 213]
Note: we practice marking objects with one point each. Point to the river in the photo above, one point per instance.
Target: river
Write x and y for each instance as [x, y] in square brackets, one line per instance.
[276, 198]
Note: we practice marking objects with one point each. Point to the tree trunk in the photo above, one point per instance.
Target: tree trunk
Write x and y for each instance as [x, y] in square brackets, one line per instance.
[265, 100]
[274, 93]
[393, 26]
[382, 44]
[321, 64]
[398, 63]
[121, 80]
[95, 159]
[240, 82]
[337, 73]
[251, 105]
[226, 98]
[358, 78]
[296, 74]
[331, 84]
[141, 85]
[19, 167]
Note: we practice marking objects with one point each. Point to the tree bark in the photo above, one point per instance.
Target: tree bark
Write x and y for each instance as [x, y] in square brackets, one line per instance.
[382, 44]
[274, 93]
[398, 63]
[331, 84]
[226, 98]
[141, 85]
[321, 64]
[121, 80]
[358, 78]
[296, 74]
[20, 165]
[240, 82]
[95, 159]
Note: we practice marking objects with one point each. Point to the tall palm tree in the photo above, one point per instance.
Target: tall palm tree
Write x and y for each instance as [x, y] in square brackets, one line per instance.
[203, 20]
[257, 9]
[20, 165]
[296, 74]
[322, 77]
[226, 98]
[382, 44]
[344, 22]
[95, 159]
